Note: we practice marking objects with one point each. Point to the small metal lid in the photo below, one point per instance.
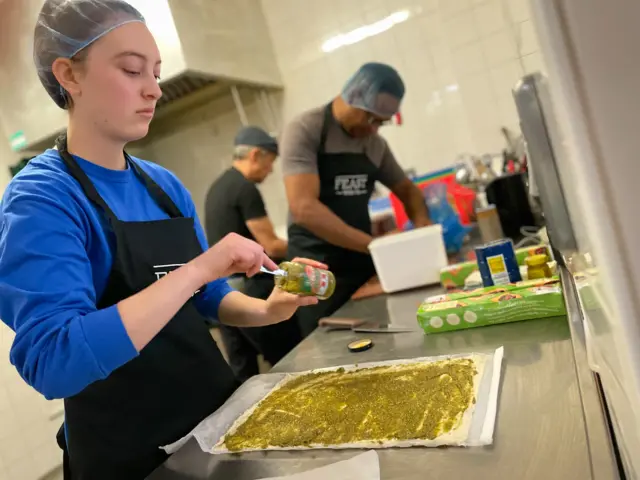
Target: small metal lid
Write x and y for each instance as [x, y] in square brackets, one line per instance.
[360, 345]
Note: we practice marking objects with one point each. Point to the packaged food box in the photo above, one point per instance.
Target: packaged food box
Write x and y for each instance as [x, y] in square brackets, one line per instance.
[492, 305]
[454, 276]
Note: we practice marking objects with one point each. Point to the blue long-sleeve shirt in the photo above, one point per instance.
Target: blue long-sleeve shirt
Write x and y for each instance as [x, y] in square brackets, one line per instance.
[55, 260]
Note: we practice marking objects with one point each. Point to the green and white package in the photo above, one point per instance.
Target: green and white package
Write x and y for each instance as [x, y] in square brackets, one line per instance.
[492, 305]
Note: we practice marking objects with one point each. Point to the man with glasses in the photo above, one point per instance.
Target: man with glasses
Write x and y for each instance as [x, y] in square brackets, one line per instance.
[332, 156]
[234, 204]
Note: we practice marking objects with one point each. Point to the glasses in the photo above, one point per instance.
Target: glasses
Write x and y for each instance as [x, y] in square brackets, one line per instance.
[376, 121]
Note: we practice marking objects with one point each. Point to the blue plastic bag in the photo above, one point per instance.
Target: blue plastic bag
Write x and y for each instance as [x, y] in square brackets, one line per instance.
[441, 211]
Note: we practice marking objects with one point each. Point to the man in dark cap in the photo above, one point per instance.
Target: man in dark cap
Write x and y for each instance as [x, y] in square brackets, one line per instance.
[332, 156]
[234, 204]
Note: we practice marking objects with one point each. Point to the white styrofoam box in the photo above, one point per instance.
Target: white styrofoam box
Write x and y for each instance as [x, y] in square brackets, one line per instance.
[410, 259]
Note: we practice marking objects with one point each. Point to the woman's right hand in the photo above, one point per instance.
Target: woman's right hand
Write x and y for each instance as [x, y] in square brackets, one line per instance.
[233, 254]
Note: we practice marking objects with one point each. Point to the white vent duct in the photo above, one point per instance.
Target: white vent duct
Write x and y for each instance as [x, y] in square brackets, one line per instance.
[206, 46]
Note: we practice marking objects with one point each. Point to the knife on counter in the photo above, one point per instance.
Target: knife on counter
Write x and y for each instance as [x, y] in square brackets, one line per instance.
[362, 326]
[373, 327]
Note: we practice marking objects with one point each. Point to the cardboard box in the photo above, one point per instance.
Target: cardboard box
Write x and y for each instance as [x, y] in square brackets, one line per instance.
[493, 305]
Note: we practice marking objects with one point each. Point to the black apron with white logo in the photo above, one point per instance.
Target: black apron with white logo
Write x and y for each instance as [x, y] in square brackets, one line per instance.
[115, 426]
[346, 184]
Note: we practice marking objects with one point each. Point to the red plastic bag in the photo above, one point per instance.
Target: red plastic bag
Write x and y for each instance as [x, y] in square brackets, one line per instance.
[461, 199]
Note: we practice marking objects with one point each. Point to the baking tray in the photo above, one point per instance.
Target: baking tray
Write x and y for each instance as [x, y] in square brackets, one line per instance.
[210, 431]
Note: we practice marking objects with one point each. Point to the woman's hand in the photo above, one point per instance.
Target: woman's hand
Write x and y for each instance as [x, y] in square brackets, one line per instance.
[233, 254]
[313, 263]
[282, 305]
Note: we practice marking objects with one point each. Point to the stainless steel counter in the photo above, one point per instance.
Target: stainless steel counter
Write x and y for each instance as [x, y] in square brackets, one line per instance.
[541, 428]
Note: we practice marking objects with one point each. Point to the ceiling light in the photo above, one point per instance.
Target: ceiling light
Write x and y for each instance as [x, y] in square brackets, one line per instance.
[366, 31]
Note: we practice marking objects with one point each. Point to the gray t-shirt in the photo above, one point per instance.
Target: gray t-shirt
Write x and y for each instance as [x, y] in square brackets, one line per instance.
[300, 142]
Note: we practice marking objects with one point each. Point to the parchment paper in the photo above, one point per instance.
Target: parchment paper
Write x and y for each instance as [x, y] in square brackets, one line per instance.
[456, 436]
[478, 427]
[365, 466]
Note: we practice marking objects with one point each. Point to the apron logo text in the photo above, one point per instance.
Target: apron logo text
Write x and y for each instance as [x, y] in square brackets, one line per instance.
[162, 270]
[351, 185]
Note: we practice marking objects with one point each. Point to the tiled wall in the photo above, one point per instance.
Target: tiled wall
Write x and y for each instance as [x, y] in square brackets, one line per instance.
[459, 60]
[197, 146]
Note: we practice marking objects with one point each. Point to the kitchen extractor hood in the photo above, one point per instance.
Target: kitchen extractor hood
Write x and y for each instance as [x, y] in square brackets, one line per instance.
[206, 46]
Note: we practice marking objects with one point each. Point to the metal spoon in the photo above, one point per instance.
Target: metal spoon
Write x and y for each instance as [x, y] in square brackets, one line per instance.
[274, 272]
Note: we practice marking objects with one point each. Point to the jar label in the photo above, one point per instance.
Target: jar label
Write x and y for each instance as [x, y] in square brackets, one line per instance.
[498, 270]
[316, 281]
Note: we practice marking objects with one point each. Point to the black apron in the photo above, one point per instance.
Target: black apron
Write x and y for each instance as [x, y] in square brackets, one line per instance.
[273, 342]
[347, 181]
[115, 426]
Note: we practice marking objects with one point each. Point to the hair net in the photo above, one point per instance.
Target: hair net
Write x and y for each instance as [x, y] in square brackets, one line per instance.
[376, 88]
[66, 27]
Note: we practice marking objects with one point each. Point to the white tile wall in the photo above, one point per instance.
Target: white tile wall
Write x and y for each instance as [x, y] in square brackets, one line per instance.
[476, 46]
[519, 10]
[490, 17]
[459, 60]
[498, 48]
[533, 62]
[197, 146]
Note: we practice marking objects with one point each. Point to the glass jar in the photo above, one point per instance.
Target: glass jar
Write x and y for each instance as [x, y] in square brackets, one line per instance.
[537, 267]
[302, 279]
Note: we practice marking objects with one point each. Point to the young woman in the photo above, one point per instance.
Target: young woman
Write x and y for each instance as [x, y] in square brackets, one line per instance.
[104, 273]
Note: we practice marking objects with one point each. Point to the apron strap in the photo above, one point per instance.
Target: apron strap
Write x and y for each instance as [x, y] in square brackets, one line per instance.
[159, 195]
[82, 178]
[325, 127]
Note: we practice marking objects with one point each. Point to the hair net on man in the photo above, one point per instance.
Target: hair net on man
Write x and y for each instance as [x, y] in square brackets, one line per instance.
[66, 27]
[376, 88]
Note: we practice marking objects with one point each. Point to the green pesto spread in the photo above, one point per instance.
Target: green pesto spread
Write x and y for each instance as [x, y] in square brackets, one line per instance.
[418, 401]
